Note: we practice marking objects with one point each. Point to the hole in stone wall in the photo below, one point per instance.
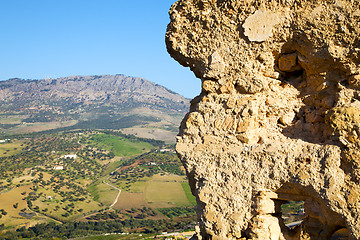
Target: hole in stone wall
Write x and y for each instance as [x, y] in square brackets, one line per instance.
[295, 78]
[341, 234]
[299, 210]
[293, 213]
[294, 74]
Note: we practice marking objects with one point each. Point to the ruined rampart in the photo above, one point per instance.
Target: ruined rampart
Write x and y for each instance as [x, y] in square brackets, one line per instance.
[278, 118]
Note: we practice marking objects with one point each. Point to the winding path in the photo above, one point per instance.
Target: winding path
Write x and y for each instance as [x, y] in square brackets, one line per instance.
[117, 197]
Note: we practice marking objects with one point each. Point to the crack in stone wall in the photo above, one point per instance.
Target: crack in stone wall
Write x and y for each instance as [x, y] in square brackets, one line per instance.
[278, 117]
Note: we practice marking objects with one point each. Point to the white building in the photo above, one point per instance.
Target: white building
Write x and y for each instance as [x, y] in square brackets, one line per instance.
[70, 156]
[166, 150]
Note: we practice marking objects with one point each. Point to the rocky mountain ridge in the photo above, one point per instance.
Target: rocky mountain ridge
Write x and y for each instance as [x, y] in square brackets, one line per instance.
[116, 89]
[88, 102]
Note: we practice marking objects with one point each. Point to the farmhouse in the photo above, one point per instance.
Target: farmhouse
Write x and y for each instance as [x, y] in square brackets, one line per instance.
[166, 150]
[58, 167]
[70, 156]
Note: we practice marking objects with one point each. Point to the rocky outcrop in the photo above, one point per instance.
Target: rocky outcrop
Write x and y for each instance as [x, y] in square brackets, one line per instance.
[278, 118]
[86, 90]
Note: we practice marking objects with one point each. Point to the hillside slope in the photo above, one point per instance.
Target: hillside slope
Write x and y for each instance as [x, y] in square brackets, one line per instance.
[105, 101]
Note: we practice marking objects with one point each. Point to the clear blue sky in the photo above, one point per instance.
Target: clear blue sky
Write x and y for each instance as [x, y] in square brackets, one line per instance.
[58, 38]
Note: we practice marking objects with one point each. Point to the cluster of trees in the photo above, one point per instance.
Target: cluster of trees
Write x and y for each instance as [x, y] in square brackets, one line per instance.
[15, 165]
[105, 216]
[40, 154]
[43, 116]
[134, 174]
[45, 151]
[7, 126]
[106, 121]
[2, 213]
[55, 142]
[133, 213]
[178, 212]
[150, 163]
[167, 161]
[141, 213]
[79, 229]
[99, 154]
[155, 143]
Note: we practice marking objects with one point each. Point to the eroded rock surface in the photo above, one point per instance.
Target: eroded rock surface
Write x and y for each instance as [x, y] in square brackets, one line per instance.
[278, 117]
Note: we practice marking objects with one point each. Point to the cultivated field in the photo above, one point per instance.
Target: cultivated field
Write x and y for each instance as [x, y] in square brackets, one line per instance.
[130, 200]
[12, 119]
[164, 191]
[161, 191]
[39, 126]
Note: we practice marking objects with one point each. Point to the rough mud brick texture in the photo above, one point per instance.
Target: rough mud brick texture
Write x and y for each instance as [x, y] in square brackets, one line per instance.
[278, 118]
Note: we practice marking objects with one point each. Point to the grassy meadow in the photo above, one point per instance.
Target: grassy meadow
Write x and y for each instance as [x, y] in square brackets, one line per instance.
[191, 198]
[12, 202]
[120, 146]
[9, 149]
[103, 193]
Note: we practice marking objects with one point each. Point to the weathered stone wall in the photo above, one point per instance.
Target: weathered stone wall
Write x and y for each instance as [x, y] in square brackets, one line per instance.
[278, 117]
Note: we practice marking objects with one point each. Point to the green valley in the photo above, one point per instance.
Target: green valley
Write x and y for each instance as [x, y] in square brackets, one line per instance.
[87, 177]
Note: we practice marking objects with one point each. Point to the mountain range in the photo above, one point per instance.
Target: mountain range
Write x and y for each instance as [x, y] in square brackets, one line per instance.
[135, 105]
